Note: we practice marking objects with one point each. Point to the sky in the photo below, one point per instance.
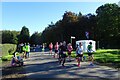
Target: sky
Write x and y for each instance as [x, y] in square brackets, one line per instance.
[37, 15]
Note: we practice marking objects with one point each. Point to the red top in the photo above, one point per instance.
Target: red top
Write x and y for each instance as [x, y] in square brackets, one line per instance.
[56, 47]
[70, 48]
[51, 46]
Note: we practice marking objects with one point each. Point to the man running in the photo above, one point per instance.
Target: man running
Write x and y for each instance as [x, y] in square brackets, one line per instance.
[90, 54]
[59, 52]
[63, 55]
[79, 51]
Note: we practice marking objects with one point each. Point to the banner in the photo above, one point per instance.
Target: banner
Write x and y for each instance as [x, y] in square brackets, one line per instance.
[87, 34]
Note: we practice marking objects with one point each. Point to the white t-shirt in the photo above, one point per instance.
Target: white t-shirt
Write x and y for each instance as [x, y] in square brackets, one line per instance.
[80, 50]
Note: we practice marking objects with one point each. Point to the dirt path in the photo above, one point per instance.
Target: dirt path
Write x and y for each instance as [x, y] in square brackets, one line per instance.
[41, 65]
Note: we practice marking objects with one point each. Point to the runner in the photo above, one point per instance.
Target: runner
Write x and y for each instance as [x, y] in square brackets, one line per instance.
[69, 49]
[51, 47]
[56, 50]
[59, 52]
[90, 54]
[63, 53]
[79, 51]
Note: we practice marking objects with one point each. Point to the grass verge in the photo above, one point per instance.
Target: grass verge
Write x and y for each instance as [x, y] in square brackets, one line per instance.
[7, 49]
[105, 56]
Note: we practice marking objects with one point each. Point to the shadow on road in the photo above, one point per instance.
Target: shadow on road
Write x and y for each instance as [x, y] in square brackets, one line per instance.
[54, 70]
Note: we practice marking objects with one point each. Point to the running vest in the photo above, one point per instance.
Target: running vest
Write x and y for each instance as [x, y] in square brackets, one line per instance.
[56, 47]
[50, 46]
[69, 48]
[80, 50]
[23, 48]
[89, 48]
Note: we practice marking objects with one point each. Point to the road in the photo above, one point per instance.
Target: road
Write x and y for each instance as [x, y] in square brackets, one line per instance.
[43, 65]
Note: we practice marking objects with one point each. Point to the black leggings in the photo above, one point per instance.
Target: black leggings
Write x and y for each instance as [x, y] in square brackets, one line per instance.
[62, 57]
[62, 60]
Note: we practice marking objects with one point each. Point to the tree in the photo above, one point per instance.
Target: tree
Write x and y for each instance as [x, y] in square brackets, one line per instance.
[103, 27]
[68, 24]
[71, 25]
[108, 22]
[24, 35]
[10, 36]
[35, 38]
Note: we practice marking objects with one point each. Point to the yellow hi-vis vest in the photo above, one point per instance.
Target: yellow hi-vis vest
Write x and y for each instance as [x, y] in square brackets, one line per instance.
[27, 48]
[24, 49]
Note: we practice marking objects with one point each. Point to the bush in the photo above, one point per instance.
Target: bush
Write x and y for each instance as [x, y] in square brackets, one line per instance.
[8, 49]
[7, 58]
[11, 51]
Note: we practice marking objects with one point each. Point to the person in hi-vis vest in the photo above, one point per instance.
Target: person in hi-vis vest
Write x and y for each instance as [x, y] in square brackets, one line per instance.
[27, 50]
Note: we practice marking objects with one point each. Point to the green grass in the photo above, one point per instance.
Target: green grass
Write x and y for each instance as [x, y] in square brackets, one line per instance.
[7, 51]
[105, 55]
[7, 58]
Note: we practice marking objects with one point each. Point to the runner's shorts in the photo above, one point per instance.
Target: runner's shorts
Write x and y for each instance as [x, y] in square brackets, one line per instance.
[90, 54]
[79, 55]
[56, 51]
[63, 55]
[69, 53]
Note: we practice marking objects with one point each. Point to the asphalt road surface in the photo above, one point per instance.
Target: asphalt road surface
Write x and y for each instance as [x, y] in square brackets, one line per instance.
[43, 65]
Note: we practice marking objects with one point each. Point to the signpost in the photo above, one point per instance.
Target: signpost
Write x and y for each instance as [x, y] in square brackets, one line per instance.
[72, 37]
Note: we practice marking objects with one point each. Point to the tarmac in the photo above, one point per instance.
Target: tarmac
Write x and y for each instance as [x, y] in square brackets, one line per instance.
[42, 65]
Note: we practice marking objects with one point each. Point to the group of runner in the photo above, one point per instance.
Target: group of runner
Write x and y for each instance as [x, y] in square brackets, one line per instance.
[79, 52]
[63, 48]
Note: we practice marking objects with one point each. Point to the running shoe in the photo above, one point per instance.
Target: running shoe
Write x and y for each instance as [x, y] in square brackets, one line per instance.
[78, 65]
[91, 64]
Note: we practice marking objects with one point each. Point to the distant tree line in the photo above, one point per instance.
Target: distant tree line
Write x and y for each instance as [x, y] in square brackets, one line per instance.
[23, 36]
[9, 36]
[104, 27]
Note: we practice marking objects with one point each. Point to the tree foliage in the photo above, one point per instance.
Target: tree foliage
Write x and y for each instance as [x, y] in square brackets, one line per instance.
[24, 35]
[35, 38]
[108, 21]
[10, 36]
[103, 27]
[71, 25]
